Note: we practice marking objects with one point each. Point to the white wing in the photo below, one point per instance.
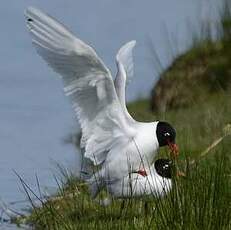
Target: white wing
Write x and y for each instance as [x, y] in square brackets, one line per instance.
[124, 61]
[125, 57]
[87, 82]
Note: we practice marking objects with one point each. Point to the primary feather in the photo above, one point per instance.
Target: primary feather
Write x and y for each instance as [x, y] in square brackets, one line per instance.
[87, 82]
[124, 61]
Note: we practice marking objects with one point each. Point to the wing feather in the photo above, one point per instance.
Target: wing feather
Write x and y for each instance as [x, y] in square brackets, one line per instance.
[124, 61]
[87, 82]
[125, 57]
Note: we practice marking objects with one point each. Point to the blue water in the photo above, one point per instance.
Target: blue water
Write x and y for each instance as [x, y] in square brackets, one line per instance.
[35, 116]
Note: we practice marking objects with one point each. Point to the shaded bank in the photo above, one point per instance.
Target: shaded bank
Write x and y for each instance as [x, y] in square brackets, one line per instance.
[203, 71]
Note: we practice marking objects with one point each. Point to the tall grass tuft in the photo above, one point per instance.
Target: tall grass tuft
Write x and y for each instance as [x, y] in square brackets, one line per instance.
[200, 200]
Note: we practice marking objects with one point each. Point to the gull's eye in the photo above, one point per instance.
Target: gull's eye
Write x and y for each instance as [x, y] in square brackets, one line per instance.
[167, 134]
[166, 166]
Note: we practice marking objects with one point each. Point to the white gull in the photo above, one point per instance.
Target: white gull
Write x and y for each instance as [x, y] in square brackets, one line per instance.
[111, 138]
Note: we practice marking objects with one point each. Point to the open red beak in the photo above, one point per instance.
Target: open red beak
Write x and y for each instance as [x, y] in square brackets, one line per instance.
[174, 149]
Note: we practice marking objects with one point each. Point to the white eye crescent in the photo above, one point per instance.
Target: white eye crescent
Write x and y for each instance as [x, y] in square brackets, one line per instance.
[165, 167]
[166, 134]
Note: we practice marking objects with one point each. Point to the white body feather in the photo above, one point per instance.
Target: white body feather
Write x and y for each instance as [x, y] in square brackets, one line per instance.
[135, 185]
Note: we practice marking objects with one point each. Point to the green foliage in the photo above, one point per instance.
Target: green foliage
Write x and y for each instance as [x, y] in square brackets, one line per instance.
[196, 126]
[204, 69]
[200, 200]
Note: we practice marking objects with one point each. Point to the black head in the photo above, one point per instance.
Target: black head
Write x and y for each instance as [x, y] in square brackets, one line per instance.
[164, 168]
[165, 133]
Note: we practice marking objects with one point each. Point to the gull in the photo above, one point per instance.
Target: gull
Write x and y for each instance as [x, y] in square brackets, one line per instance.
[111, 138]
[157, 183]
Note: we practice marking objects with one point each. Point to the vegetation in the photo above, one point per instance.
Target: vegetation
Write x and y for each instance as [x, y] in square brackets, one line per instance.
[202, 71]
[198, 103]
[200, 200]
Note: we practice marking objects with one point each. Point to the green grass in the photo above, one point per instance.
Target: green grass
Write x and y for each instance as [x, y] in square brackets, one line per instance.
[204, 70]
[200, 200]
[197, 126]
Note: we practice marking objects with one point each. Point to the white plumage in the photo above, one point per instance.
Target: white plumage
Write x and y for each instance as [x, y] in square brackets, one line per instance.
[110, 136]
[134, 184]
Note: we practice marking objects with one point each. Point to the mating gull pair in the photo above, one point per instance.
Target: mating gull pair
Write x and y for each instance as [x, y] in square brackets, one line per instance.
[122, 147]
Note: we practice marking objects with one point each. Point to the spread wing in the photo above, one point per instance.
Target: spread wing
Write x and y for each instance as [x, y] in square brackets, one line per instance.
[87, 82]
[124, 61]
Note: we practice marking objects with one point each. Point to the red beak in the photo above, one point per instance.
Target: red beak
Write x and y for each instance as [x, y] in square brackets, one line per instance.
[174, 149]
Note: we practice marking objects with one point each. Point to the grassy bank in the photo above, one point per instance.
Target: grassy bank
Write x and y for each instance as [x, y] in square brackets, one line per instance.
[201, 72]
[200, 200]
